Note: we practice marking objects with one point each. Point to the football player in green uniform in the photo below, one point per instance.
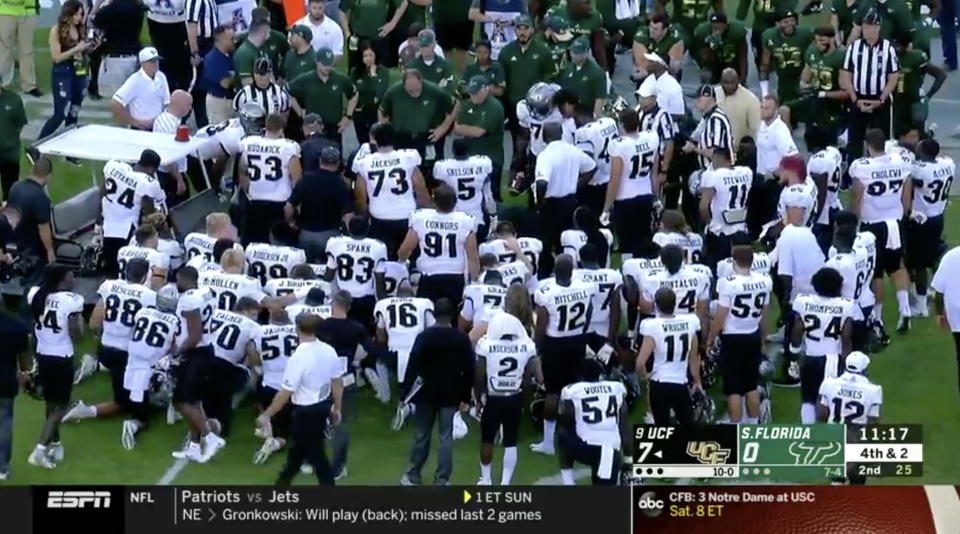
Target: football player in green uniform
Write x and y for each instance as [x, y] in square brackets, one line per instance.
[783, 49]
[910, 100]
[720, 44]
[584, 21]
[895, 18]
[658, 37]
[821, 100]
[842, 13]
[557, 36]
[689, 14]
[922, 34]
[765, 16]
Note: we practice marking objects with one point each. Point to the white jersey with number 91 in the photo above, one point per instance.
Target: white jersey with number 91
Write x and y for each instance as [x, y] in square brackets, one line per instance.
[268, 167]
[443, 239]
[596, 408]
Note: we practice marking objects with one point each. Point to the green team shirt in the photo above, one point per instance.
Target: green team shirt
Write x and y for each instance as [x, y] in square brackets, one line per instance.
[912, 65]
[295, 64]
[894, 16]
[489, 116]
[559, 56]
[689, 13]
[413, 14]
[579, 25]
[493, 72]
[765, 12]
[524, 67]
[731, 41]
[243, 59]
[416, 115]
[325, 98]
[671, 36]
[371, 88]
[274, 48]
[12, 119]
[845, 12]
[366, 16]
[588, 81]
[436, 72]
[451, 11]
[922, 35]
[786, 52]
[825, 76]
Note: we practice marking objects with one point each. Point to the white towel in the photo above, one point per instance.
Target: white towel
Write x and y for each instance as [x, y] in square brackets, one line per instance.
[893, 235]
[831, 366]
[605, 469]
[628, 9]
[136, 381]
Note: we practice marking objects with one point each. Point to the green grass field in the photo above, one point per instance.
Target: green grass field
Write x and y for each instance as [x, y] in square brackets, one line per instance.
[918, 373]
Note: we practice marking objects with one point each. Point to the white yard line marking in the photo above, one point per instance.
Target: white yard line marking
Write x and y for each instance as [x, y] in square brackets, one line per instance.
[172, 472]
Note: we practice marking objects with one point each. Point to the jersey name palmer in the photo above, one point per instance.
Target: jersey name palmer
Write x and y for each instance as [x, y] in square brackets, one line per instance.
[266, 255]
[446, 226]
[273, 150]
[812, 307]
[571, 297]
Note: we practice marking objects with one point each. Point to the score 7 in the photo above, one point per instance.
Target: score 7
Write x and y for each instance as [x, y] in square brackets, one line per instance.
[643, 450]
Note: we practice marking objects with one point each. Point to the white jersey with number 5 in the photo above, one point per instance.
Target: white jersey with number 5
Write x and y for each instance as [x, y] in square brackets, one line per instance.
[443, 240]
[52, 330]
[851, 398]
[389, 180]
[932, 181]
[823, 319]
[883, 178]
[231, 334]
[594, 139]
[470, 178]
[567, 306]
[270, 262]
[608, 282]
[597, 410]
[480, 301]
[229, 288]
[121, 302]
[637, 153]
[506, 363]
[672, 339]
[690, 285]
[277, 343]
[828, 161]
[268, 167]
[728, 208]
[356, 261]
[403, 319]
[745, 296]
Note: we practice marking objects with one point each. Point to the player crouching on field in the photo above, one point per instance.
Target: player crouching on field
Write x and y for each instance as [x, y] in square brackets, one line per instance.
[280, 341]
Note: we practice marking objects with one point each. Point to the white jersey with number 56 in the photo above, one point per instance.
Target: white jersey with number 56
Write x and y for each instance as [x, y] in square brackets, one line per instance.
[851, 398]
[389, 180]
[596, 408]
[567, 306]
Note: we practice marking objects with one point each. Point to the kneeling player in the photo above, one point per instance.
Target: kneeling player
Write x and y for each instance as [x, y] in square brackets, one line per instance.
[595, 425]
[399, 321]
[278, 340]
[504, 357]
[154, 336]
[823, 327]
[235, 333]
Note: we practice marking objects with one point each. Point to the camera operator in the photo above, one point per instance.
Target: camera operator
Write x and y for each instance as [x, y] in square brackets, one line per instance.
[33, 235]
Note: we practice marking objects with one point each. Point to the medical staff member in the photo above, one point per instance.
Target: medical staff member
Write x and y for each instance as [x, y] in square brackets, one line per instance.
[145, 94]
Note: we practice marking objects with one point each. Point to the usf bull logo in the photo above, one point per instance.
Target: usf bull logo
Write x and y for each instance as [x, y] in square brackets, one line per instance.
[708, 452]
[814, 452]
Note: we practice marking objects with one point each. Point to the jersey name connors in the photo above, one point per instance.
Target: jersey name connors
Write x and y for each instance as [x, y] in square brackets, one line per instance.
[389, 180]
[270, 262]
[443, 239]
[268, 167]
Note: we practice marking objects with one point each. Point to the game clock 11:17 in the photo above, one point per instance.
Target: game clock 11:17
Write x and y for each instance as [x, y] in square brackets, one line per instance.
[886, 434]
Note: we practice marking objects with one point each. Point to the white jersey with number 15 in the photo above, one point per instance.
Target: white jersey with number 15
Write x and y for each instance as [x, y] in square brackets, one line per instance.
[637, 154]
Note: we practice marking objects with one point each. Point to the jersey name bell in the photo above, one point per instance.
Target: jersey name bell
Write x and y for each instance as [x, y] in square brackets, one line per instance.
[270, 262]
[121, 302]
[356, 262]
[883, 178]
[637, 153]
[443, 239]
[594, 138]
[389, 181]
[728, 208]
[567, 306]
[506, 362]
[470, 178]
[268, 167]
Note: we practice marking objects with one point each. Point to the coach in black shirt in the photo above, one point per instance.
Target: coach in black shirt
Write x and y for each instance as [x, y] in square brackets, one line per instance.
[15, 363]
[318, 203]
[314, 143]
[442, 357]
[34, 236]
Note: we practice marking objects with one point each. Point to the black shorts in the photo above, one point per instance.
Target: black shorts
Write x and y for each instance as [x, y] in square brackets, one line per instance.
[192, 375]
[716, 248]
[259, 219]
[813, 369]
[55, 376]
[361, 309]
[860, 336]
[593, 197]
[632, 221]
[666, 397]
[441, 286]
[740, 362]
[501, 412]
[391, 231]
[111, 246]
[115, 360]
[923, 243]
[455, 36]
[561, 359]
[583, 453]
[888, 261]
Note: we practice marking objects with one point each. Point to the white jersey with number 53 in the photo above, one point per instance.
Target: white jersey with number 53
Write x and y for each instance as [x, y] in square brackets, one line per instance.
[268, 167]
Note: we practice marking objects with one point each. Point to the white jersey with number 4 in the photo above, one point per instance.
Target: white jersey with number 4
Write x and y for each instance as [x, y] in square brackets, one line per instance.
[356, 261]
[229, 288]
[672, 339]
[277, 343]
[731, 189]
[932, 181]
[123, 193]
[567, 306]
[270, 262]
[883, 178]
[223, 138]
[389, 180]
[690, 285]
[597, 411]
[594, 139]
[470, 178]
[637, 154]
[480, 301]
[268, 167]
[851, 398]
[828, 161]
[443, 240]
[403, 319]
[608, 282]
[745, 296]
[121, 302]
[506, 363]
[52, 330]
[231, 334]
[823, 319]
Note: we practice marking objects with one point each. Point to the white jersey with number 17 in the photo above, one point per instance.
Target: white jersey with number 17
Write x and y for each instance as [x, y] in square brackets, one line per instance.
[389, 180]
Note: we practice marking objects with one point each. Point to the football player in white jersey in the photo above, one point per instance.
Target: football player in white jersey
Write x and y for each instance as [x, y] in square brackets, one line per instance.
[269, 168]
[505, 356]
[594, 137]
[278, 341]
[824, 168]
[113, 320]
[724, 191]
[932, 180]
[470, 177]
[195, 347]
[537, 109]
[394, 274]
[315, 302]
[564, 311]
[447, 242]
[865, 251]
[851, 398]
[229, 285]
[146, 248]
[743, 303]
[587, 229]
[482, 299]
[218, 226]
[530, 249]
[236, 336]
[634, 183]
[152, 337]
[605, 322]
[594, 416]
[399, 320]
[799, 191]
[761, 260]
[389, 188]
[271, 262]
[691, 286]
[882, 189]
[301, 276]
[672, 339]
[635, 272]
[674, 231]
[822, 329]
[57, 326]
[355, 264]
[852, 263]
[126, 193]
[169, 246]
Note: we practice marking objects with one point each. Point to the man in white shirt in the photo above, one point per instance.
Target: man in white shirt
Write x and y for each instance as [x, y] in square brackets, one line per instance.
[144, 95]
[668, 90]
[312, 378]
[774, 140]
[326, 32]
[946, 302]
[559, 171]
[171, 177]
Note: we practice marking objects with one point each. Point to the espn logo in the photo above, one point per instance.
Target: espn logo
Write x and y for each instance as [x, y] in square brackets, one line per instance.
[78, 499]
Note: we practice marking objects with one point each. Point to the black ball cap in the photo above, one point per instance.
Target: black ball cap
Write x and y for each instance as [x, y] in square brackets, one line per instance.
[872, 17]
[149, 158]
[330, 155]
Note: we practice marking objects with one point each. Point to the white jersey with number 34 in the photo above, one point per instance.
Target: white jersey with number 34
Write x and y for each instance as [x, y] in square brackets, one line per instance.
[52, 330]
[594, 139]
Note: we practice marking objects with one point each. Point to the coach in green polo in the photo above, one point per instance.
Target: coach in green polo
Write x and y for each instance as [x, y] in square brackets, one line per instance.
[480, 120]
[583, 77]
[422, 113]
[301, 58]
[432, 67]
[326, 92]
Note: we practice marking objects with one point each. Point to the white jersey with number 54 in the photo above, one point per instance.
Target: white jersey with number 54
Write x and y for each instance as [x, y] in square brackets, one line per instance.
[596, 408]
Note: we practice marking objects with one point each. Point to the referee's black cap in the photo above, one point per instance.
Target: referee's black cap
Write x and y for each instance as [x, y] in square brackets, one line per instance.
[262, 66]
[706, 90]
[872, 17]
[330, 155]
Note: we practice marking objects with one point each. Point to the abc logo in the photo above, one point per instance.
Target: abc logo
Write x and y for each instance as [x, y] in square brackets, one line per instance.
[649, 505]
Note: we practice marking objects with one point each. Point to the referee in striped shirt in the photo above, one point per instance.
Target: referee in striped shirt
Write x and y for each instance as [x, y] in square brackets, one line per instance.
[869, 75]
[654, 119]
[714, 130]
[271, 96]
[201, 21]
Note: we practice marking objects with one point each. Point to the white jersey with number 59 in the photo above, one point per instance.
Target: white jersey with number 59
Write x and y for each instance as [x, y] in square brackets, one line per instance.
[597, 410]
[851, 398]
[567, 306]
[389, 180]
[746, 297]
[594, 139]
[268, 167]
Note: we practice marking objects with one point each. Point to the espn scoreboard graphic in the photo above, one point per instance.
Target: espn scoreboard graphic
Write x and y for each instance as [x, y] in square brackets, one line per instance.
[778, 452]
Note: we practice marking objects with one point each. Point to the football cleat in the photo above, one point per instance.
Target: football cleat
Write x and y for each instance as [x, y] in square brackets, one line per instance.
[543, 448]
[128, 435]
[190, 451]
[55, 452]
[88, 366]
[40, 458]
[903, 324]
[269, 447]
[628, 477]
[766, 412]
